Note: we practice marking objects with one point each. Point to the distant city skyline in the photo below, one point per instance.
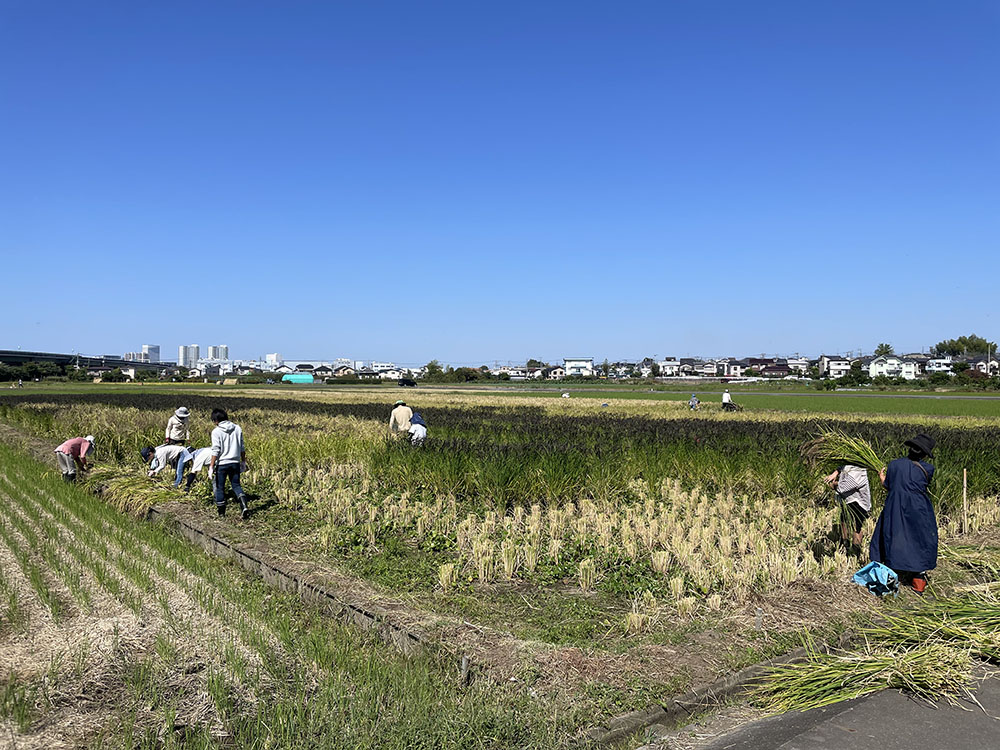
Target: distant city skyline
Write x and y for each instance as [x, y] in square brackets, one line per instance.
[474, 182]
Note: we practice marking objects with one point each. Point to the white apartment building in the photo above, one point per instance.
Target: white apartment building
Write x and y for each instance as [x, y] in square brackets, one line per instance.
[799, 364]
[188, 356]
[220, 351]
[152, 352]
[273, 360]
[583, 366]
[834, 367]
[939, 364]
[669, 368]
[893, 367]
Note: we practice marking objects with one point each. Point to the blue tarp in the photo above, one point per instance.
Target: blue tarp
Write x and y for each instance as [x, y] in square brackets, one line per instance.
[878, 579]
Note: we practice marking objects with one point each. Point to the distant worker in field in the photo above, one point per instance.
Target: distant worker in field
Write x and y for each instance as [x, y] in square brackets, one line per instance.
[727, 401]
[399, 419]
[855, 496]
[198, 459]
[906, 534]
[160, 457]
[178, 432]
[72, 455]
[418, 429]
[228, 460]
[693, 403]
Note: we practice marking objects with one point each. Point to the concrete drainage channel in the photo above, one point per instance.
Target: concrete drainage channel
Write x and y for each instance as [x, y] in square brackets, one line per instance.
[658, 720]
[406, 640]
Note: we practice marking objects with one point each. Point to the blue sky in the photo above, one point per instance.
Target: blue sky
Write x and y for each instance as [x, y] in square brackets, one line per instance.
[472, 181]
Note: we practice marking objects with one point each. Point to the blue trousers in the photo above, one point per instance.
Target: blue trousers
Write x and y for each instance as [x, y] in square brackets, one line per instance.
[186, 456]
[222, 471]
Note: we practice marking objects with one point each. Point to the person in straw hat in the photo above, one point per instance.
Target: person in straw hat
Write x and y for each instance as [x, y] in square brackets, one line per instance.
[72, 454]
[906, 534]
[177, 432]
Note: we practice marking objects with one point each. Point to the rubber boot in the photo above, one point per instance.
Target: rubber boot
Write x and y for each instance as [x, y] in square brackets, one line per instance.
[244, 508]
[189, 481]
[221, 509]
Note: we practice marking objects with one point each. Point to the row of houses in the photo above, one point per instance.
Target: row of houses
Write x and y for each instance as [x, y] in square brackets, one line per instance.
[907, 366]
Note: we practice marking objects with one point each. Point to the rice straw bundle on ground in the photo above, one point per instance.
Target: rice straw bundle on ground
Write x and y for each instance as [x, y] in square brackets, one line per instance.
[971, 621]
[930, 672]
[840, 447]
[984, 561]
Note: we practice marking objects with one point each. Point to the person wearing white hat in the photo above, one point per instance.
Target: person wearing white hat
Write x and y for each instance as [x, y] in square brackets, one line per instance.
[177, 432]
[72, 454]
[399, 419]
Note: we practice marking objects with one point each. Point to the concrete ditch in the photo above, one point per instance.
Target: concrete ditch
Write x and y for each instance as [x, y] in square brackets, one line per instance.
[405, 639]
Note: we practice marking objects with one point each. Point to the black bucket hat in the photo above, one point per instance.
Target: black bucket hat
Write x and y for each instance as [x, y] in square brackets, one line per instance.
[923, 443]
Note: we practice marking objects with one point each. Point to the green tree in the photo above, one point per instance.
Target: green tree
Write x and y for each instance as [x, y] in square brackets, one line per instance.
[959, 367]
[114, 376]
[884, 350]
[433, 372]
[534, 363]
[971, 344]
[605, 367]
[857, 375]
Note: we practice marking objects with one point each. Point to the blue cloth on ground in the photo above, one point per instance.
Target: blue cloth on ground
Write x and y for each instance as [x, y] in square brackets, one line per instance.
[878, 579]
[417, 419]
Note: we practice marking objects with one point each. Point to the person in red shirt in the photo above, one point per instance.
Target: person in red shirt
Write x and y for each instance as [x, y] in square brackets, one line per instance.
[72, 454]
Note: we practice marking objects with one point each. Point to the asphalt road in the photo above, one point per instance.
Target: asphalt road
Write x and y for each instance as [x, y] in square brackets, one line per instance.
[884, 721]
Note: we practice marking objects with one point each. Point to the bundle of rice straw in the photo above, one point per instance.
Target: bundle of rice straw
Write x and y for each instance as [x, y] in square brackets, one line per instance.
[838, 446]
[930, 671]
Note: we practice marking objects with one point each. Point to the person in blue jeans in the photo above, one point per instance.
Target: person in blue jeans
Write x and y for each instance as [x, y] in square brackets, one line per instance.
[228, 459]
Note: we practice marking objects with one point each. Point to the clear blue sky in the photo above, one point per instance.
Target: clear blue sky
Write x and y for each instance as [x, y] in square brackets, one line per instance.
[472, 181]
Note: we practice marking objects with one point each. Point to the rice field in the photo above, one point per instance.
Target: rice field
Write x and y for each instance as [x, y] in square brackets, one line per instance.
[704, 508]
[115, 633]
[559, 530]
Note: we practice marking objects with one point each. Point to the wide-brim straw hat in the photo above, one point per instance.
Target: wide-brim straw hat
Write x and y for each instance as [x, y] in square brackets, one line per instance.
[90, 439]
[922, 443]
[182, 412]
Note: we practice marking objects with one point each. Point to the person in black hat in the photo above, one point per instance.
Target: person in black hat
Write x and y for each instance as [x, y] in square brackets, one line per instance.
[906, 534]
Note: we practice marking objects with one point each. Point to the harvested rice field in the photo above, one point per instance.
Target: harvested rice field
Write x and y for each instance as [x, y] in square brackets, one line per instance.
[588, 559]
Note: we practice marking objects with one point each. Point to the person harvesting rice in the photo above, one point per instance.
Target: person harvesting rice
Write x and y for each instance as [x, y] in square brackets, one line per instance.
[906, 534]
[399, 419]
[178, 432]
[855, 495]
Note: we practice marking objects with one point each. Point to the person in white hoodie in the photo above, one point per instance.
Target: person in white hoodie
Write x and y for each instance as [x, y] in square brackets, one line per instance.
[228, 459]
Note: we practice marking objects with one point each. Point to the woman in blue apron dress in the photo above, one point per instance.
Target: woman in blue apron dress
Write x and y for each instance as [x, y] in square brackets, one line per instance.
[906, 534]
